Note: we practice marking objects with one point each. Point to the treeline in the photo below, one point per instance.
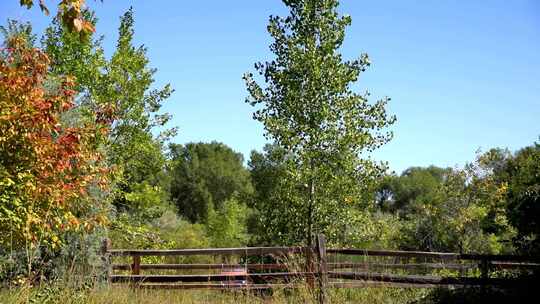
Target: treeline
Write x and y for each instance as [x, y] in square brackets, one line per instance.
[489, 206]
[86, 153]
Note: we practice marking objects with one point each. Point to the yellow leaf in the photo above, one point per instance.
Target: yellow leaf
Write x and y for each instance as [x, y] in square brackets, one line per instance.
[78, 24]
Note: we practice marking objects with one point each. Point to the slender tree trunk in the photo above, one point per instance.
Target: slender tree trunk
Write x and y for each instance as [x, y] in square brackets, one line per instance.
[311, 203]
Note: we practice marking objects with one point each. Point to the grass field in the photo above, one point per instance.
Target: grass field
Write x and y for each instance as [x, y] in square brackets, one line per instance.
[125, 295]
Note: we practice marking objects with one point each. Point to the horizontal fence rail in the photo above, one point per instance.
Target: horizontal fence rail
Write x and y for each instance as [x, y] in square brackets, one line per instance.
[430, 280]
[219, 286]
[201, 266]
[394, 253]
[400, 266]
[497, 265]
[435, 255]
[293, 267]
[206, 277]
[209, 251]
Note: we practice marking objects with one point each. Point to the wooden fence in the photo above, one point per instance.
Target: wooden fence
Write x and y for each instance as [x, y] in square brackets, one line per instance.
[316, 267]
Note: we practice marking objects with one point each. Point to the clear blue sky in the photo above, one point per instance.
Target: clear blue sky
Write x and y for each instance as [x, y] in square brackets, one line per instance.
[462, 75]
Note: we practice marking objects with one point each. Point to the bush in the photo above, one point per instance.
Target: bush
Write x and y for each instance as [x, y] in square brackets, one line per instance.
[228, 227]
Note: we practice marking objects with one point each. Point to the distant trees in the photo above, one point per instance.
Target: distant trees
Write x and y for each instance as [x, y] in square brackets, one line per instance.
[310, 111]
[490, 205]
[452, 218]
[227, 226]
[204, 176]
[415, 185]
[274, 196]
[520, 175]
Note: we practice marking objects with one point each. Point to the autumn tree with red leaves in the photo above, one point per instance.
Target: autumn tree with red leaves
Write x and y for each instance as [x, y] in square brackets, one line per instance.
[47, 166]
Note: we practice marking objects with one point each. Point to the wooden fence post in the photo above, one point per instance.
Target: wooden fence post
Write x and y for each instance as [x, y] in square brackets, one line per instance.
[136, 266]
[106, 258]
[484, 268]
[310, 265]
[322, 267]
[484, 273]
[310, 280]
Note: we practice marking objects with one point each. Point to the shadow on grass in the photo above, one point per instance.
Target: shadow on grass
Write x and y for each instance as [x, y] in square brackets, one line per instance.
[526, 292]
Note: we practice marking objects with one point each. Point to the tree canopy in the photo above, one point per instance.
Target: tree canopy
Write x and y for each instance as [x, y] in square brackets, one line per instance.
[47, 165]
[120, 92]
[308, 108]
[204, 176]
[521, 176]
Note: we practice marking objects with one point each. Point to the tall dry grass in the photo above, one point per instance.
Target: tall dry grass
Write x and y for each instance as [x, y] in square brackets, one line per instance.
[125, 295]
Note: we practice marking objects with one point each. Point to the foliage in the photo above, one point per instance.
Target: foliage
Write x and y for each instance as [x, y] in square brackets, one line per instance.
[82, 59]
[309, 109]
[270, 223]
[522, 174]
[119, 91]
[373, 230]
[99, 101]
[15, 28]
[70, 11]
[274, 222]
[415, 185]
[204, 176]
[460, 210]
[127, 232]
[166, 232]
[114, 100]
[47, 168]
[179, 231]
[227, 227]
[442, 224]
[143, 198]
[126, 87]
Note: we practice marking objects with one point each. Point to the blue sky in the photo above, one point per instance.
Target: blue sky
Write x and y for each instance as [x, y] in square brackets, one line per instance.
[462, 75]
